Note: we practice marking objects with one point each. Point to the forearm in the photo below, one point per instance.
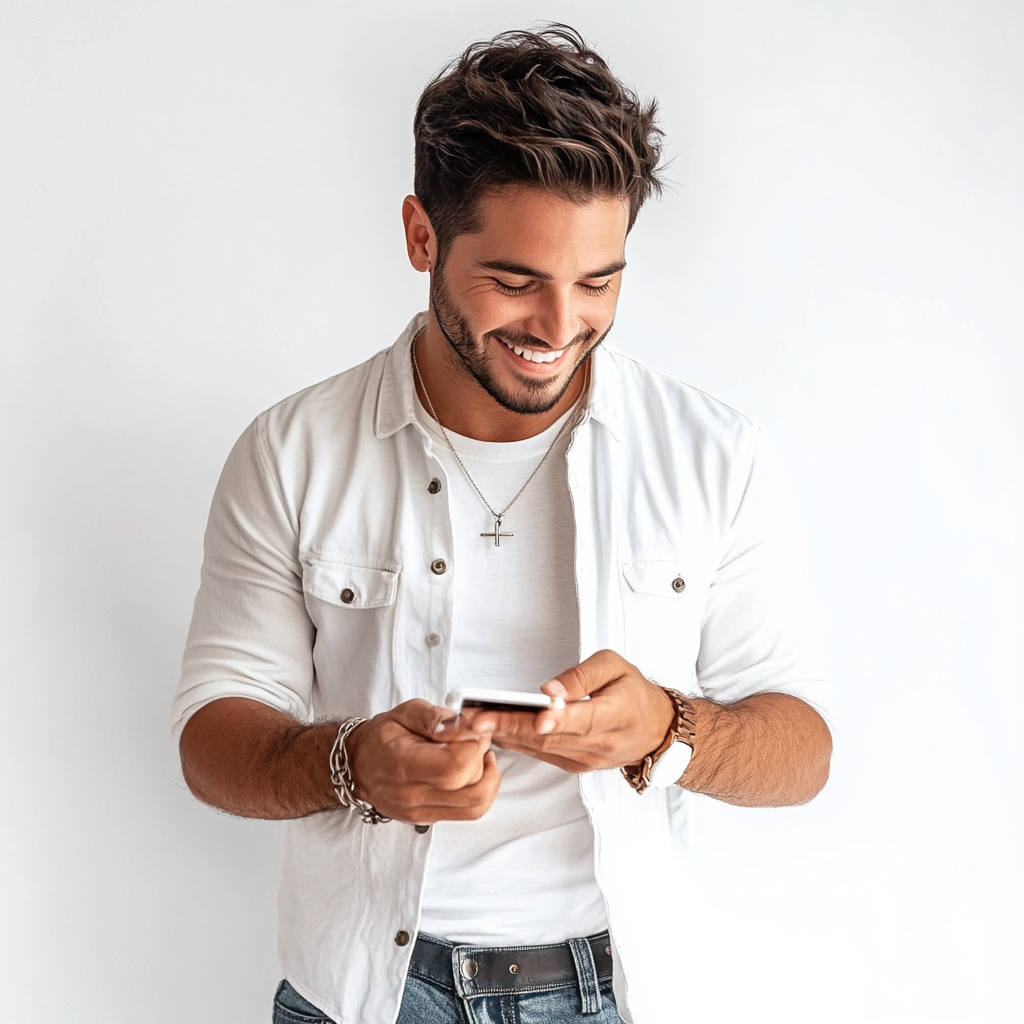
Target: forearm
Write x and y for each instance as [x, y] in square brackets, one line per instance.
[769, 750]
[249, 759]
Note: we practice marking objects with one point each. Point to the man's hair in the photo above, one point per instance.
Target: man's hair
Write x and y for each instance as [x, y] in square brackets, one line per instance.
[533, 109]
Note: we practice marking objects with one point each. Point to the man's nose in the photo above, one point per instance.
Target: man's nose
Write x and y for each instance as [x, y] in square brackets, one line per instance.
[555, 321]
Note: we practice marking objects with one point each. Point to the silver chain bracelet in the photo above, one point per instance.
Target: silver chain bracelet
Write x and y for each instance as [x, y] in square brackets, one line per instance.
[341, 775]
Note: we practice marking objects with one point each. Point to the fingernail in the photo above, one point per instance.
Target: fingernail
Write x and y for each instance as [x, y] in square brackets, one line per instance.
[442, 725]
[555, 688]
[545, 725]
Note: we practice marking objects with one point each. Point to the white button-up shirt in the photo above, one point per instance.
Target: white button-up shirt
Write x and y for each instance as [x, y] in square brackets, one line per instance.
[327, 589]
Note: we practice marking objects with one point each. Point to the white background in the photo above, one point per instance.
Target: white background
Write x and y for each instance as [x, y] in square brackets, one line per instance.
[201, 214]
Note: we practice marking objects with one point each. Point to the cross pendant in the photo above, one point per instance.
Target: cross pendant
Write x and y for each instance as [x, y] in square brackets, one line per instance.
[497, 535]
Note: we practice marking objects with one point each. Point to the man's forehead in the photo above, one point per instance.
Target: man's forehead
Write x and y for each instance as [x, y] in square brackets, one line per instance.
[520, 230]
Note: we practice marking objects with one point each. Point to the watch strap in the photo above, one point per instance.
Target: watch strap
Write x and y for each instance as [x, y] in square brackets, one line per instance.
[682, 730]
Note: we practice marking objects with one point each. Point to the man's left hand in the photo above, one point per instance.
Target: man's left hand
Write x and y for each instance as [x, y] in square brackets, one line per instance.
[625, 718]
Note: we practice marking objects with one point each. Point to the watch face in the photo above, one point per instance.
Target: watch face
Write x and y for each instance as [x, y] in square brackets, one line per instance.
[669, 768]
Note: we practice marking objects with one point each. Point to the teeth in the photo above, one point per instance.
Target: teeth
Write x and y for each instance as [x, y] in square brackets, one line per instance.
[534, 355]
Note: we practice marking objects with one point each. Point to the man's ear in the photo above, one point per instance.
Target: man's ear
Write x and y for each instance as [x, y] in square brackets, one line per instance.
[420, 240]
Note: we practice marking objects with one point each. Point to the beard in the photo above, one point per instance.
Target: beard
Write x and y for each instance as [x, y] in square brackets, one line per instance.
[527, 396]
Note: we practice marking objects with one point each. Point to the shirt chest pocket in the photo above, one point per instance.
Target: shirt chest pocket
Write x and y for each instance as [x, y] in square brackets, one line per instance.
[352, 604]
[663, 605]
[350, 586]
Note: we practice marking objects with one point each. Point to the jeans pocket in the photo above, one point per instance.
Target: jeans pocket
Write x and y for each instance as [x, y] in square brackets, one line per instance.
[291, 1008]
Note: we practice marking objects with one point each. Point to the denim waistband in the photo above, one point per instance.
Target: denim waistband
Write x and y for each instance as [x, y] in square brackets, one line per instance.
[499, 970]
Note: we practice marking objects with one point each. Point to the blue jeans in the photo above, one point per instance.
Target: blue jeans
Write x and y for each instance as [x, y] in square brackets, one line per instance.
[434, 997]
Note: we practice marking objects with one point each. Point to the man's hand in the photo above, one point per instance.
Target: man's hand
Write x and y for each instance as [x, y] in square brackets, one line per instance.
[255, 761]
[400, 765]
[625, 718]
[767, 750]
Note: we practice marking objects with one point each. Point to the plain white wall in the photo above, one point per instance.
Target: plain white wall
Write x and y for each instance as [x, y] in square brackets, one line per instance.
[200, 215]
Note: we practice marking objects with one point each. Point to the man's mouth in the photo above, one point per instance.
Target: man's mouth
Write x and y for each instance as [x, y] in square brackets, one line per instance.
[534, 355]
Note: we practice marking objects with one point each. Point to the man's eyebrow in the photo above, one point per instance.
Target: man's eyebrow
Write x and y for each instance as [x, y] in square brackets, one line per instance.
[519, 269]
[522, 270]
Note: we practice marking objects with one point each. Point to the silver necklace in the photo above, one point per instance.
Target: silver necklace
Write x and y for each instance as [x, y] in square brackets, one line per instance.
[498, 516]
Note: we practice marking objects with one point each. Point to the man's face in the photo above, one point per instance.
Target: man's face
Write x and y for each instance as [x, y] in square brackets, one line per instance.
[523, 301]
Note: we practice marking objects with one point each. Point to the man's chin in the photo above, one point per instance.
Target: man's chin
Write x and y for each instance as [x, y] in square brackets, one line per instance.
[526, 405]
[529, 396]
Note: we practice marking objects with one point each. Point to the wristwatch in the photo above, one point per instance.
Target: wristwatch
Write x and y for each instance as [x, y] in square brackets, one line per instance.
[665, 766]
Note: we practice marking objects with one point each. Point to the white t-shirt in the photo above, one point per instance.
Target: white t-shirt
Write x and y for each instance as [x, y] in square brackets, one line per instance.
[524, 872]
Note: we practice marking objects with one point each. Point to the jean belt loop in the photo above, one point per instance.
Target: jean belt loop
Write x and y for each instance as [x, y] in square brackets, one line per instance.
[586, 974]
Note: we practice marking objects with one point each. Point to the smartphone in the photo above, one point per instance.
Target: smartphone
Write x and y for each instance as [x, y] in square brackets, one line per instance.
[499, 700]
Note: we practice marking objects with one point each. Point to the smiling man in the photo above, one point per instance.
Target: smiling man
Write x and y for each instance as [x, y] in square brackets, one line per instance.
[518, 305]
[499, 500]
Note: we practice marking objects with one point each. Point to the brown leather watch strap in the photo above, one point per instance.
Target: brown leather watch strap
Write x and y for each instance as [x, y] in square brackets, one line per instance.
[683, 730]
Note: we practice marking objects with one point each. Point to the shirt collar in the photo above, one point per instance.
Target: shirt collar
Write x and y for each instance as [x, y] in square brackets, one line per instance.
[396, 397]
[395, 405]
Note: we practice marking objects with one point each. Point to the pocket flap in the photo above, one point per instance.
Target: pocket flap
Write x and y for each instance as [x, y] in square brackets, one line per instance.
[660, 577]
[348, 585]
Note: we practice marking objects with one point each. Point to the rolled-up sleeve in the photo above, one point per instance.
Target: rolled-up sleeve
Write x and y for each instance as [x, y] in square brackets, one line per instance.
[762, 630]
[250, 635]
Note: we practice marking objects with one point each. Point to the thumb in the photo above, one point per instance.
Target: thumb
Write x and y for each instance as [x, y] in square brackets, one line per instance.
[421, 717]
[587, 677]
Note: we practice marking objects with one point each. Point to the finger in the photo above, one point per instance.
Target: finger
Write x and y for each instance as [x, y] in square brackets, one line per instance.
[421, 717]
[555, 689]
[443, 766]
[421, 797]
[487, 721]
[462, 727]
[425, 804]
[432, 722]
[588, 676]
[581, 718]
[484, 792]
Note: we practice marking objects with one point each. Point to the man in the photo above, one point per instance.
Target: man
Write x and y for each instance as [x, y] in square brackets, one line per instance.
[500, 501]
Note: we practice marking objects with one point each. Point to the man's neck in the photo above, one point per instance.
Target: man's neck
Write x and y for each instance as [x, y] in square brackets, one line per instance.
[461, 405]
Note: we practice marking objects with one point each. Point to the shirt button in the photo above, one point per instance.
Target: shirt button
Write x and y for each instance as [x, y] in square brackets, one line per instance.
[433, 639]
[422, 828]
[438, 566]
[679, 584]
[348, 596]
[434, 486]
[402, 938]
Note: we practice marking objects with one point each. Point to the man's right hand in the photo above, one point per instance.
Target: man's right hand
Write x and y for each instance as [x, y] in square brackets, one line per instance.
[400, 767]
[258, 762]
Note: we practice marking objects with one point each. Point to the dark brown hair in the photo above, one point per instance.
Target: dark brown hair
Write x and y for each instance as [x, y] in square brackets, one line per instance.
[539, 109]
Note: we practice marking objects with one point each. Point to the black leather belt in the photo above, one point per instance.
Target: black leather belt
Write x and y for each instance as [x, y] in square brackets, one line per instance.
[505, 968]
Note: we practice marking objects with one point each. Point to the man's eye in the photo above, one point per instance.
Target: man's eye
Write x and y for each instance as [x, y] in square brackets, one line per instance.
[597, 289]
[508, 289]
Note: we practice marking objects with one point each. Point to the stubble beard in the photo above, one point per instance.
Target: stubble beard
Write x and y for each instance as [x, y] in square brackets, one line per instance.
[532, 396]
